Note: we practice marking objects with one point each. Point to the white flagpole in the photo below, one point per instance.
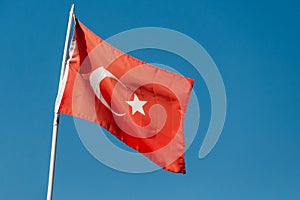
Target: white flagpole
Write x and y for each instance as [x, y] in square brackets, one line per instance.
[56, 114]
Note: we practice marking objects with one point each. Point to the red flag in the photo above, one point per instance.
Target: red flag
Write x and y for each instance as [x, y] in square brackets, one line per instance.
[142, 105]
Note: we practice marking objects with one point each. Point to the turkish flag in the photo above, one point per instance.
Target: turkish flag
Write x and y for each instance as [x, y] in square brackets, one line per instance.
[142, 105]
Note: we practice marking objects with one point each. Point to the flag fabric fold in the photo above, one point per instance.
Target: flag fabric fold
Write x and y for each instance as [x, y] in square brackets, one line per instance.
[142, 105]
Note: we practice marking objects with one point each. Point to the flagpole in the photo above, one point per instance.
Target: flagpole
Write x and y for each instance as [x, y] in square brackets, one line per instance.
[56, 114]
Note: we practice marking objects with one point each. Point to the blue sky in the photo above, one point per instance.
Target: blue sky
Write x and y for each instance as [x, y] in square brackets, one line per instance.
[255, 45]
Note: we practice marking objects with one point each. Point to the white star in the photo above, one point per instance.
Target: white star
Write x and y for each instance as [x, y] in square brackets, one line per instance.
[137, 105]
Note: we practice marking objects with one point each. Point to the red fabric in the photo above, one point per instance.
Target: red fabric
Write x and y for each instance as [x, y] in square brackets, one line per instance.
[159, 133]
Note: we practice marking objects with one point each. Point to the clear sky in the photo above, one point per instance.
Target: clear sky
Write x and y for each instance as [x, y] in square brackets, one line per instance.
[255, 45]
